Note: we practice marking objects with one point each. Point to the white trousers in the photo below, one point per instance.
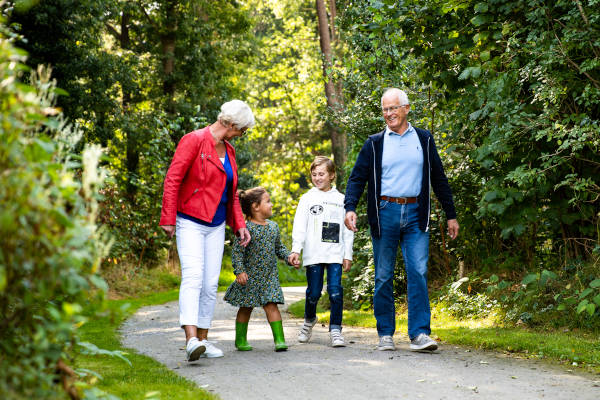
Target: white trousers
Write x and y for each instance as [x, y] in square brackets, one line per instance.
[200, 251]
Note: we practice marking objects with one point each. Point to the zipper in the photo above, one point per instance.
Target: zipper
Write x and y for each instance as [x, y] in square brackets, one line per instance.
[429, 187]
[375, 184]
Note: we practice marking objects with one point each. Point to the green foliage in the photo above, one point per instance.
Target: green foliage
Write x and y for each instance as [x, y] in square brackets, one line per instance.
[138, 76]
[568, 297]
[462, 304]
[510, 91]
[283, 80]
[51, 246]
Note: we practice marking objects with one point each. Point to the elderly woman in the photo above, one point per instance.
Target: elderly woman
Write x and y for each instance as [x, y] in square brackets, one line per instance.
[200, 197]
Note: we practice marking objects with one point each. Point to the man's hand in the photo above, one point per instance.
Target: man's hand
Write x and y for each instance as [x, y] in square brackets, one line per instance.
[294, 259]
[350, 221]
[169, 230]
[242, 279]
[453, 228]
[244, 236]
[346, 265]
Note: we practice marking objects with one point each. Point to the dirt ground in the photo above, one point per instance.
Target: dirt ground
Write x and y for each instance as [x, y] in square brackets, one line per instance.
[317, 371]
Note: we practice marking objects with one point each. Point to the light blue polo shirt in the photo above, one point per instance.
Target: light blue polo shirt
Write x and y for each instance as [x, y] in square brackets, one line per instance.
[402, 164]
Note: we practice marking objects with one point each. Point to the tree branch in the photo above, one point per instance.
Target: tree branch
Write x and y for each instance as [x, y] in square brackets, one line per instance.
[112, 31]
[147, 15]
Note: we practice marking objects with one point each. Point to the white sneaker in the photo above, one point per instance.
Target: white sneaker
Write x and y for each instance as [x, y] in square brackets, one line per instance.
[212, 351]
[423, 342]
[306, 331]
[386, 343]
[337, 340]
[194, 349]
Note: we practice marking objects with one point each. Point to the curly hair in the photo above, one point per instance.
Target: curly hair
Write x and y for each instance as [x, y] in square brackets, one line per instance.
[249, 197]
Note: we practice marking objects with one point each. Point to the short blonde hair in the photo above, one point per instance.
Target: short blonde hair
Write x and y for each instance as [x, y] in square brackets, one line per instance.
[238, 113]
[322, 160]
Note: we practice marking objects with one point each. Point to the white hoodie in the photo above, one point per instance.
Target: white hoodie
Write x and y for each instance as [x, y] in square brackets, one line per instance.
[319, 228]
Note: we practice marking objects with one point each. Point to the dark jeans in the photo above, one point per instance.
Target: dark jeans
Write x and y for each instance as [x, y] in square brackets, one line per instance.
[314, 277]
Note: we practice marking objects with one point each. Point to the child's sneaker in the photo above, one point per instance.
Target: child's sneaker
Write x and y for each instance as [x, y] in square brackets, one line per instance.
[306, 331]
[194, 349]
[212, 351]
[337, 340]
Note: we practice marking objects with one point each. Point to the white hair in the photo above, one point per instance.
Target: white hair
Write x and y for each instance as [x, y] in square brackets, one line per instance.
[400, 94]
[238, 113]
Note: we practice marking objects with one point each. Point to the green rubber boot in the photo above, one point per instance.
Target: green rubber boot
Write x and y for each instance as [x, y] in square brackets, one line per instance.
[278, 337]
[241, 330]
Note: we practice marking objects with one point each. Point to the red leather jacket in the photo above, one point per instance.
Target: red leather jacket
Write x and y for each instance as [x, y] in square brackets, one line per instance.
[196, 179]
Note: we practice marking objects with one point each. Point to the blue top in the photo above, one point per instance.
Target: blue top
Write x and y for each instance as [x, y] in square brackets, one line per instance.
[401, 164]
[221, 213]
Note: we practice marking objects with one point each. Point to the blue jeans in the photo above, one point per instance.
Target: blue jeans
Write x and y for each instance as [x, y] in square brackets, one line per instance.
[400, 224]
[314, 277]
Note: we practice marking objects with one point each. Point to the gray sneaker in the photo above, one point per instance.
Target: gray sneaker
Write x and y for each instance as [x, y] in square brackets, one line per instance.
[337, 340]
[306, 331]
[386, 343]
[423, 342]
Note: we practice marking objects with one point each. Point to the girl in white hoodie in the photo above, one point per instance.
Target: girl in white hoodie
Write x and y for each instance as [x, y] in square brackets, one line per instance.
[326, 244]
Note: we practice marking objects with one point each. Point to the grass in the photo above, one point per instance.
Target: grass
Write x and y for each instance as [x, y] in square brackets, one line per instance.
[574, 349]
[145, 378]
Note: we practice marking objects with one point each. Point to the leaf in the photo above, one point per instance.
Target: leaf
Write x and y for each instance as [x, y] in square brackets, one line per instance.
[479, 20]
[585, 293]
[494, 278]
[597, 299]
[528, 279]
[582, 306]
[595, 283]
[481, 7]
[591, 309]
[470, 72]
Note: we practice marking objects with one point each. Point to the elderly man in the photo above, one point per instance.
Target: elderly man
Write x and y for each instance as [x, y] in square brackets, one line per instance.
[400, 164]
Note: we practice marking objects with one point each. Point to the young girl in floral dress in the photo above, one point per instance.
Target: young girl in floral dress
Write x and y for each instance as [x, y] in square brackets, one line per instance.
[255, 267]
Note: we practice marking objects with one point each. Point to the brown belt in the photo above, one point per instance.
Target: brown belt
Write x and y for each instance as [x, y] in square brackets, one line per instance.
[400, 200]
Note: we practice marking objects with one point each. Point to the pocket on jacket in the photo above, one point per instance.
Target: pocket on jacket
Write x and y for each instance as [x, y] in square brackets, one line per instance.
[190, 196]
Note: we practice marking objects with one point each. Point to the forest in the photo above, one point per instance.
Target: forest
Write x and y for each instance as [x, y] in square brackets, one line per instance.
[96, 94]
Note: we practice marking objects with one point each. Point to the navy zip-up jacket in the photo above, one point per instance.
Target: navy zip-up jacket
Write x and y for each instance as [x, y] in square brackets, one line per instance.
[367, 169]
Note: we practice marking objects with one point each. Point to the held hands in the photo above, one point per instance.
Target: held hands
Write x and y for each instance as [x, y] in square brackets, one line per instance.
[169, 230]
[242, 278]
[453, 228]
[243, 236]
[350, 221]
[294, 260]
[346, 265]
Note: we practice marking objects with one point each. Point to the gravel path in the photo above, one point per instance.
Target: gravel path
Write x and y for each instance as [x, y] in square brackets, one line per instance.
[316, 371]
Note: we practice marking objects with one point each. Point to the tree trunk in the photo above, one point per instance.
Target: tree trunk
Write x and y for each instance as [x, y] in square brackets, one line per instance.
[168, 41]
[132, 151]
[333, 90]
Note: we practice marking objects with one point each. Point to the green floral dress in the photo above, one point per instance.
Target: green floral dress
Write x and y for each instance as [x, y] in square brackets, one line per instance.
[259, 261]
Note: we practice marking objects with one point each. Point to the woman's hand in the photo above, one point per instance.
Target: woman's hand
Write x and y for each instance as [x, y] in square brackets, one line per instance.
[169, 230]
[294, 260]
[244, 236]
[242, 279]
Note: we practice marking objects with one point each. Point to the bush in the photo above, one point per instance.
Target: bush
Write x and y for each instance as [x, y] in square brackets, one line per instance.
[51, 246]
[569, 297]
[464, 305]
